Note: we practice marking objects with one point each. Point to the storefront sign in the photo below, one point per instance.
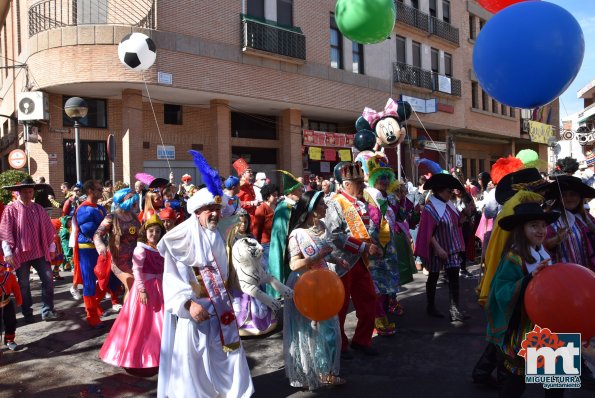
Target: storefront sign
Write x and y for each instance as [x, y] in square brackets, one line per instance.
[540, 132]
[164, 78]
[166, 152]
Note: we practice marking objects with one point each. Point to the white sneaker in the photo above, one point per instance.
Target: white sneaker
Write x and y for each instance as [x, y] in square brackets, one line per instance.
[116, 308]
[75, 293]
[12, 346]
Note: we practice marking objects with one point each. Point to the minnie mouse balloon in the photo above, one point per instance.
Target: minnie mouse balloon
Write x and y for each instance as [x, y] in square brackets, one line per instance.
[528, 54]
[366, 21]
[137, 51]
[494, 6]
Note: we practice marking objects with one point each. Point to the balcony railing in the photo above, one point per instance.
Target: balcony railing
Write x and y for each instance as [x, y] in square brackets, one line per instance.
[413, 17]
[408, 74]
[268, 37]
[51, 14]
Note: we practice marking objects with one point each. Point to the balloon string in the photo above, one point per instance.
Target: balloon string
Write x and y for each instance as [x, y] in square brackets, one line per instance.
[564, 215]
[155, 117]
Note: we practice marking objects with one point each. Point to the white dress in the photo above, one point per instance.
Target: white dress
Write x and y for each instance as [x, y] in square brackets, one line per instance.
[193, 363]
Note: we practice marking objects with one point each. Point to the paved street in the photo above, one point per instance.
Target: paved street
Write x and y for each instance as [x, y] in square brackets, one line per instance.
[426, 358]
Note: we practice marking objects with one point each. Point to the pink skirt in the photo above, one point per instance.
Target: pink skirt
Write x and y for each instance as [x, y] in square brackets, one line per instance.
[135, 338]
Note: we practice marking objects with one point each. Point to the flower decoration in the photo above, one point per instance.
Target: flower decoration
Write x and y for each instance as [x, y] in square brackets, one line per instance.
[228, 317]
[537, 338]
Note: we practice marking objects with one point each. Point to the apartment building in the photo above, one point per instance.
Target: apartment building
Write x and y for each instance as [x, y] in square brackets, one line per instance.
[273, 81]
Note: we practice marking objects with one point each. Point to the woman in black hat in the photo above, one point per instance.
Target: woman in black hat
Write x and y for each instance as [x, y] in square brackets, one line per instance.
[440, 240]
[507, 320]
[570, 239]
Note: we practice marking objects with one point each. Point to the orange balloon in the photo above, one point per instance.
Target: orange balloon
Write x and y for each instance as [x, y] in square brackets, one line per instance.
[561, 298]
[319, 294]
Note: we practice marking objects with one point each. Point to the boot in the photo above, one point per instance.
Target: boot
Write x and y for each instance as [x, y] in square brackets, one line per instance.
[431, 295]
[455, 314]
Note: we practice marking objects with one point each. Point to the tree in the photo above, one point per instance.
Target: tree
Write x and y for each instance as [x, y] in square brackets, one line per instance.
[10, 177]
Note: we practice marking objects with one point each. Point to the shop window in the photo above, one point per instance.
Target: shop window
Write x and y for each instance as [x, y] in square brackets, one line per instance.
[327, 127]
[96, 116]
[255, 155]
[94, 161]
[172, 114]
[253, 126]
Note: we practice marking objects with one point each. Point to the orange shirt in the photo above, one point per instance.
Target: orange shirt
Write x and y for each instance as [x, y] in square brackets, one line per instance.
[263, 223]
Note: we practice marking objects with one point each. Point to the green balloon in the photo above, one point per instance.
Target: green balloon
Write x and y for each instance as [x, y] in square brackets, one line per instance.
[527, 156]
[366, 21]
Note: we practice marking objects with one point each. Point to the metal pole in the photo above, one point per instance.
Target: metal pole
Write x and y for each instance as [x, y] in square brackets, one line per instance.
[77, 148]
[399, 162]
[113, 172]
[27, 149]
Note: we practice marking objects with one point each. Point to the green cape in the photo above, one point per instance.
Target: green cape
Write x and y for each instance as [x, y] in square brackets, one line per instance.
[278, 263]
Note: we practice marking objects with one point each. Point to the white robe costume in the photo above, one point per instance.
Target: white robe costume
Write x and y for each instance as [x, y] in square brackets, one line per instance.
[193, 362]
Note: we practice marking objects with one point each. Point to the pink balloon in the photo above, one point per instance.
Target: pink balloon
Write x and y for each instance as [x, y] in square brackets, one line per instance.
[494, 6]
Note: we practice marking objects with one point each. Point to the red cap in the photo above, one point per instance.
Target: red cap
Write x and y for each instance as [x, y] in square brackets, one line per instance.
[240, 166]
[167, 214]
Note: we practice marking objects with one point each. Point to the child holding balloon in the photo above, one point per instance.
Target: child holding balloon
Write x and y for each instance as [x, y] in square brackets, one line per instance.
[312, 350]
[508, 322]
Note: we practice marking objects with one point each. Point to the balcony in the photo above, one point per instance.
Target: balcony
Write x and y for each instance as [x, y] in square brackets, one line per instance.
[413, 17]
[52, 14]
[268, 39]
[411, 75]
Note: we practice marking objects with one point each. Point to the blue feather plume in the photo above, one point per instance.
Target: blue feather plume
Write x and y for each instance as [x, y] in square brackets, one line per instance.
[209, 175]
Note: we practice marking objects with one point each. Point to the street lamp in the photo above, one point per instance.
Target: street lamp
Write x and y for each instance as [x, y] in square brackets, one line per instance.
[76, 108]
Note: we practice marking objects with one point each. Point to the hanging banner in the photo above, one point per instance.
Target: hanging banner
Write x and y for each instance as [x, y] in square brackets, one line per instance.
[540, 132]
[314, 138]
[330, 155]
[315, 153]
[321, 138]
[345, 155]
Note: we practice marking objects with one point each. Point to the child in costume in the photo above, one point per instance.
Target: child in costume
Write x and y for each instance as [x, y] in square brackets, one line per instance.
[8, 320]
[439, 242]
[507, 320]
[135, 338]
[58, 260]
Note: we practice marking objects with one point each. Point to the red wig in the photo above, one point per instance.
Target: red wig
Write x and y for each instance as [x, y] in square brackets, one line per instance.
[505, 166]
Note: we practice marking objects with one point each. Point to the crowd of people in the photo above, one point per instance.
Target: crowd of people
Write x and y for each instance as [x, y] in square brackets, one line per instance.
[191, 269]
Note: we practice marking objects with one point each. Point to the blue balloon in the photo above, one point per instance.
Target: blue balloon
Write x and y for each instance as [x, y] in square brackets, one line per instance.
[528, 54]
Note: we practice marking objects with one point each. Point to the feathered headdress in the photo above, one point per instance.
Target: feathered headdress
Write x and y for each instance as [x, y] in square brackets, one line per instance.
[290, 182]
[505, 166]
[145, 178]
[210, 176]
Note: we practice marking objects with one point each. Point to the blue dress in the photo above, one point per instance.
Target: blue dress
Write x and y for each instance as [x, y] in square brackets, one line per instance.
[311, 349]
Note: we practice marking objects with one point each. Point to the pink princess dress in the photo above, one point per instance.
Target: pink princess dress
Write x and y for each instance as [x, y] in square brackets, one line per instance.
[135, 338]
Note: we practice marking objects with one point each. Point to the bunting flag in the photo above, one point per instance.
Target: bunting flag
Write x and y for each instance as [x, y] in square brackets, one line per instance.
[315, 153]
[345, 155]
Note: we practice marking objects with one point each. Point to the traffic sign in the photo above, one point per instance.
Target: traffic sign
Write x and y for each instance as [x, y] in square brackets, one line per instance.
[17, 159]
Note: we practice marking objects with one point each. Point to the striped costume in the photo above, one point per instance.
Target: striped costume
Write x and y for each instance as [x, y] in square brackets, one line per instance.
[578, 247]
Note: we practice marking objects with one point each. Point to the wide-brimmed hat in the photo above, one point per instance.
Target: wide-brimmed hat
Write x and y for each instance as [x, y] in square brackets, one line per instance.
[525, 212]
[569, 183]
[442, 180]
[27, 182]
[523, 180]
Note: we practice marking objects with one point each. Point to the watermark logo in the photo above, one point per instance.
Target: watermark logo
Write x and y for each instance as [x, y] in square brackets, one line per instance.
[552, 359]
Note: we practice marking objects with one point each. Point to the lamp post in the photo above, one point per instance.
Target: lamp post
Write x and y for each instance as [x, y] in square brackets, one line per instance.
[76, 109]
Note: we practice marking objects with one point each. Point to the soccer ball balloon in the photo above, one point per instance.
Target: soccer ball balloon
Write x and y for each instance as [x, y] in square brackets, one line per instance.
[137, 51]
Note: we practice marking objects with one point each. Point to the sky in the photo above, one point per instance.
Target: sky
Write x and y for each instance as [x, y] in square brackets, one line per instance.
[584, 12]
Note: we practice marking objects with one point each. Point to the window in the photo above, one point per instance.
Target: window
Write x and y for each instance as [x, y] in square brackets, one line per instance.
[262, 127]
[512, 113]
[336, 45]
[416, 54]
[285, 12]
[18, 9]
[94, 161]
[435, 57]
[172, 114]
[89, 11]
[495, 106]
[474, 98]
[401, 43]
[472, 31]
[328, 127]
[473, 168]
[415, 4]
[5, 49]
[255, 8]
[96, 117]
[446, 11]
[503, 110]
[484, 101]
[433, 8]
[481, 166]
[448, 64]
[357, 55]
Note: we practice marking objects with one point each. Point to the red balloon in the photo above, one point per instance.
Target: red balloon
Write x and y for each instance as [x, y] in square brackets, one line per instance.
[561, 298]
[319, 294]
[494, 6]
